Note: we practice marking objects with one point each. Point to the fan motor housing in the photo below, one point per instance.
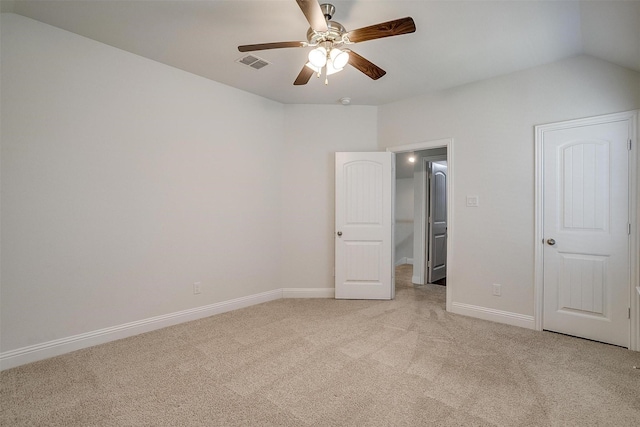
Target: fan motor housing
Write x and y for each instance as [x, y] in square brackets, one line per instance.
[335, 34]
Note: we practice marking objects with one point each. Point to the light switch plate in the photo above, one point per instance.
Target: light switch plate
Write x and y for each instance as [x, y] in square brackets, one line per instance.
[472, 201]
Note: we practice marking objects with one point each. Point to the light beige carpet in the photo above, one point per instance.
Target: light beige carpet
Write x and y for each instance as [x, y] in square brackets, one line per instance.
[324, 362]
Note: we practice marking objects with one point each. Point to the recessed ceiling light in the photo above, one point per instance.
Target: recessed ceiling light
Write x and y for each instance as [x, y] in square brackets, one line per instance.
[412, 159]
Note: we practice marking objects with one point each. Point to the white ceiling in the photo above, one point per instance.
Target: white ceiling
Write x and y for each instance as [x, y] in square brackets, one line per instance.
[456, 42]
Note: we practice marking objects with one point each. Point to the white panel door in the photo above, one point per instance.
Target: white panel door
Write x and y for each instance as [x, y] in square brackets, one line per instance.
[586, 215]
[437, 259]
[364, 219]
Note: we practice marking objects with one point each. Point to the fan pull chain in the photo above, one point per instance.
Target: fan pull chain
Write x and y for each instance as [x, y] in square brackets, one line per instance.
[326, 76]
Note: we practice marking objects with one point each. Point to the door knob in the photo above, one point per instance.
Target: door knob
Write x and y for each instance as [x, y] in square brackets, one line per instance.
[551, 242]
[339, 233]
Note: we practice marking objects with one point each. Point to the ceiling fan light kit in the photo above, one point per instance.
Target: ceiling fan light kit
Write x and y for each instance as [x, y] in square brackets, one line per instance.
[318, 57]
[328, 38]
[339, 58]
[332, 62]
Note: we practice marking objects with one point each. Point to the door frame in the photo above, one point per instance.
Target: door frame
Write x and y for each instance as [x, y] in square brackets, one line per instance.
[427, 145]
[634, 241]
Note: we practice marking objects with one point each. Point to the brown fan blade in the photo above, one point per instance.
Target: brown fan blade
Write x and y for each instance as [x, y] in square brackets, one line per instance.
[385, 29]
[313, 13]
[264, 46]
[304, 76]
[366, 66]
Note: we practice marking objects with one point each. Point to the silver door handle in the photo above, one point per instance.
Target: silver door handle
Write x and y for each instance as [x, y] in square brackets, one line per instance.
[339, 233]
[551, 242]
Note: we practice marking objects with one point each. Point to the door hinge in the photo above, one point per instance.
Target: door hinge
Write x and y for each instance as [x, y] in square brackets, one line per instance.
[629, 313]
[629, 144]
[629, 228]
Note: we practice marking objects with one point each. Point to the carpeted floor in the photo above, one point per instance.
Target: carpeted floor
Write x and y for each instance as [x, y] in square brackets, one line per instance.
[324, 362]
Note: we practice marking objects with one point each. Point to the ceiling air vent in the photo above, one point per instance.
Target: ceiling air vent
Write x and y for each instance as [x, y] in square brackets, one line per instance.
[253, 61]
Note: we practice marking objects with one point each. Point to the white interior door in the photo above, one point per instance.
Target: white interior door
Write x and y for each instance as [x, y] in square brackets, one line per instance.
[364, 225]
[437, 255]
[586, 231]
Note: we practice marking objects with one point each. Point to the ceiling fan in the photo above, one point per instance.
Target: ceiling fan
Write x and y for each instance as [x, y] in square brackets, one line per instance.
[329, 38]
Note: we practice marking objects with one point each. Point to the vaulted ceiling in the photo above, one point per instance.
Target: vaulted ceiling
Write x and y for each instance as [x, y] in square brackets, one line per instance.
[456, 42]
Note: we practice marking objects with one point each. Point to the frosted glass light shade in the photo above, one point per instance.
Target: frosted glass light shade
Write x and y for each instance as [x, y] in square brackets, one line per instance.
[318, 56]
[313, 67]
[339, 58]
[331, 69]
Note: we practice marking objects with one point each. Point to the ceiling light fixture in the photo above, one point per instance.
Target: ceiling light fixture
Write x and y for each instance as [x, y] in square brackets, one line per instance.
[318, 57]
[339, 58]
[332, 61]
[412, 159]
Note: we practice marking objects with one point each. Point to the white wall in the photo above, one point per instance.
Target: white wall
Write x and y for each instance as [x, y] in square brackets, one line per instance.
[404, 220]
[492, 126]
[308, 185]
[123, 182]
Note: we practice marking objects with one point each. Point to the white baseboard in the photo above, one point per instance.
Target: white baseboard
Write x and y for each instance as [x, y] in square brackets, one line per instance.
[416, 280]
[493, 315]
[33, 353]
[308, 293]
[404, 260]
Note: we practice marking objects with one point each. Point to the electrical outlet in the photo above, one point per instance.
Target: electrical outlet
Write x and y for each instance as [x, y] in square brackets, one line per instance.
[497, 289]
[197, 288]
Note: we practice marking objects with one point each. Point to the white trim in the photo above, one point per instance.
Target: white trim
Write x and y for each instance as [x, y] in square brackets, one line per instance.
[33, 353]
[419, 146]
[634, 218]
[415, 280]
[308, 293]
[393, 225]
[507, 317]
[538, 247]
[448, 144]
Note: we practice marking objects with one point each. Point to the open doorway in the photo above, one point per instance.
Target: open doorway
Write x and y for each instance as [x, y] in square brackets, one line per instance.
[420, 220]
[413, 203]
